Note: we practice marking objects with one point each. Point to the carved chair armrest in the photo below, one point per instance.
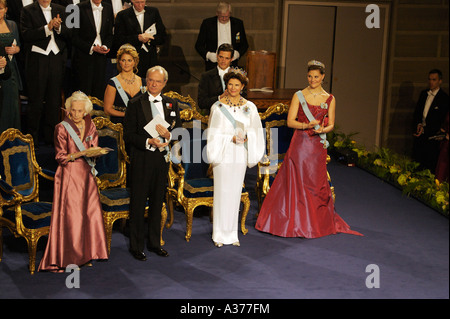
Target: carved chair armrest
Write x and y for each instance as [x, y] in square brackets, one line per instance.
[47, 174]
[8, 196]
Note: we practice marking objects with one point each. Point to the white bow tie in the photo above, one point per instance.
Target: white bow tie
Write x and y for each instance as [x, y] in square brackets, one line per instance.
[47, 9]
[99, 8]
[139, 13]
[431, 93]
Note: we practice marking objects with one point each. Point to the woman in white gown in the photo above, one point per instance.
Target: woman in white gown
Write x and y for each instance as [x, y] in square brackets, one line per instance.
[235, 141]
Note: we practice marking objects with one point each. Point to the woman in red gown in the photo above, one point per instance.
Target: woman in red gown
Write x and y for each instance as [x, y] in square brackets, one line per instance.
[77, 232]
[299, 203]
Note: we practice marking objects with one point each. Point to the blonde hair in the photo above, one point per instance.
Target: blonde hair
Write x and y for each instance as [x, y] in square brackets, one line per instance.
[79, 96]
[127, 49]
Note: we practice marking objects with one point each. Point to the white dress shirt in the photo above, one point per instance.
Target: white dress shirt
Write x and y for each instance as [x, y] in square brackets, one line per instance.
[26, 2]
[97, 12]
[117, 6]
[430, 98]
[221, 74]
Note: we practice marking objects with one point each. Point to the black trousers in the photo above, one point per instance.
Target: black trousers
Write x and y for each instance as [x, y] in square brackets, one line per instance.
[148, 185]
[44, 75]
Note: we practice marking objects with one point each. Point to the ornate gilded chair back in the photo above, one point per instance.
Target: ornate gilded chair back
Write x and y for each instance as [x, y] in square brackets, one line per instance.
[18, 165]
[278, 134]
[112, 166]
[20, 209]
[278, 138]
[184, 102]
[98, 109]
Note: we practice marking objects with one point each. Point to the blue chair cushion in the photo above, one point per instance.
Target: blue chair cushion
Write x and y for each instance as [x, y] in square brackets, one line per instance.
[34, 214]
[115, 199]
[198, 187]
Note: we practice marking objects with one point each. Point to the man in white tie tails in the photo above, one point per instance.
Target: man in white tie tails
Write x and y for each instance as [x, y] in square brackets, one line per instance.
[148, 161]
[142, 27]
[91, 43]
[44, 33]
[429, 116]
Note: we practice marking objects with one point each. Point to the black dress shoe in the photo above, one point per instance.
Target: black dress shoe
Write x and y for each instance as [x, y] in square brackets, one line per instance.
[139, 255]
[159, 251]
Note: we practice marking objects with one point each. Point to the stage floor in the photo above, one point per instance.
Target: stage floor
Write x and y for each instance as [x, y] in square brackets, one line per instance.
[405, 240]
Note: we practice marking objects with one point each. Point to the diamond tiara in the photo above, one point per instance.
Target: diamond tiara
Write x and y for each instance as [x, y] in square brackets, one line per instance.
[315, 62]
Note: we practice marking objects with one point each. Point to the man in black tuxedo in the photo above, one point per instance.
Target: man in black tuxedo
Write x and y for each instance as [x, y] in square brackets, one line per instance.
[91, 43]
[211, 87]
[137, 26]
[221, 29]
[149, 161]
[45, 34]
[429, 115]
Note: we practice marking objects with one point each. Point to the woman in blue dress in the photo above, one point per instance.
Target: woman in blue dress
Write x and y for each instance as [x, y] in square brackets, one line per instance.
[125, 86]
[9, 39]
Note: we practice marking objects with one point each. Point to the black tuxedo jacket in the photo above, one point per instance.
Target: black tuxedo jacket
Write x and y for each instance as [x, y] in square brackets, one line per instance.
[138, 114]
[32, 23]
[84, 36]
[207, 39]
[436, 114]
[127, 29]
[209, 88]
[14, 9]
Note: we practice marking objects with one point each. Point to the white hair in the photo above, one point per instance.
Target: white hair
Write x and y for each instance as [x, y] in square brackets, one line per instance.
[79, 96]
[223, 7]
[160, 69]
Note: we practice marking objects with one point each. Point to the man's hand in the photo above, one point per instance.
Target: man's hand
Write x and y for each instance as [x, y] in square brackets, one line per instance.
[157, 142]
[2, 61]
[162, 131]
[145, 37]
[100, 49]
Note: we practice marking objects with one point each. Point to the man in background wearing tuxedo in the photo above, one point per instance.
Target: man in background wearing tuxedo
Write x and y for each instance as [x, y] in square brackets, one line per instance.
[211, 87]
[44, 32]
[429, 116]
[221, 29]
[142, 27]
[149, 162]
[92, 41]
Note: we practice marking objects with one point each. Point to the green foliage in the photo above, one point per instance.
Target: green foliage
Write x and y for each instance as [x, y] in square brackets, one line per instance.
[399, 170]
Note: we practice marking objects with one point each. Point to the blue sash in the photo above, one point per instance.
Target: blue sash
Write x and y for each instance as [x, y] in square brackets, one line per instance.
[323, 136]
[231, 119]
[154, 113]
[121, 91]
[80, 146]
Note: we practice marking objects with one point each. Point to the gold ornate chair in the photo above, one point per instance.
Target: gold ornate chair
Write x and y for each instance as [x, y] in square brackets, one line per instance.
[20, 209]
[184, 102]
[111, 177]
[190, 181]
[98, 109]
[278, 138]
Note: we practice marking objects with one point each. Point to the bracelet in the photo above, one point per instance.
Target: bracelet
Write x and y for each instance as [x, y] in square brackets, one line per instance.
[71, 158]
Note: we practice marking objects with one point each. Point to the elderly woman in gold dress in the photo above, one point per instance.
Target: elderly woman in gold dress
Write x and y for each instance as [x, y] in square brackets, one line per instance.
[77, 233]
